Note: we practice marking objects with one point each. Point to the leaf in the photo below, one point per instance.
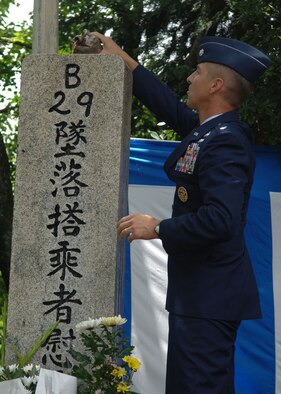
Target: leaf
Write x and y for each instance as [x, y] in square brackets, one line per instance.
[80, 357]
[81, 373]
[155, 135]
[127, 350]
[23, 360]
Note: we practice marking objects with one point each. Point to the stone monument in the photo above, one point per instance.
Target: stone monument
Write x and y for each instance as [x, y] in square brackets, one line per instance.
[71, 188]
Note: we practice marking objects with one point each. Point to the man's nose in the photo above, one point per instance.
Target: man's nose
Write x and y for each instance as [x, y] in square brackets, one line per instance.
[189, 79]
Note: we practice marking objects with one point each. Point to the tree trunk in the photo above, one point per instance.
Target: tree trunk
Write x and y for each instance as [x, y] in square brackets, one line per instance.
[6, 213]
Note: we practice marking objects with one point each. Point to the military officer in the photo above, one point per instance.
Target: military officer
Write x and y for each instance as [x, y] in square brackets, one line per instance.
[211, 284]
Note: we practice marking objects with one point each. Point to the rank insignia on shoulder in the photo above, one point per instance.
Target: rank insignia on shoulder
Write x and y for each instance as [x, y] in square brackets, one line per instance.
[186, 164]
[223, 128]
[182, 194]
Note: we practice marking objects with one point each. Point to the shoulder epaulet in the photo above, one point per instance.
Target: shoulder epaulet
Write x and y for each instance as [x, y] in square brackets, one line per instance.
[204, 136]
[223, 128]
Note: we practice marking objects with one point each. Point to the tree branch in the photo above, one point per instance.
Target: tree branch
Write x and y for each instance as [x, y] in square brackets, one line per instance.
[15, 42]
[6, 109]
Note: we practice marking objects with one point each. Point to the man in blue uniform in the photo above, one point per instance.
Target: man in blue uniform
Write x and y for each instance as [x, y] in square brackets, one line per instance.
[211, 285]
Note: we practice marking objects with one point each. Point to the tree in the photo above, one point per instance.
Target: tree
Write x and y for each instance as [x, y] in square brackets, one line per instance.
[14, 44]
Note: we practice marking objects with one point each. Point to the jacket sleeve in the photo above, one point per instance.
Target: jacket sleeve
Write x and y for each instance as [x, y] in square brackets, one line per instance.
[224, 173]
[162, 101]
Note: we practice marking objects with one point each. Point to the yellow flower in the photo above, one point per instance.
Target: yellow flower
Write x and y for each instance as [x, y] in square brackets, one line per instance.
[118, 372]
[132, 362]
[122, 387]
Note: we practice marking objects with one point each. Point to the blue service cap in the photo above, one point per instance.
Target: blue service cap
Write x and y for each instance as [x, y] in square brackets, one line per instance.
[245, 59]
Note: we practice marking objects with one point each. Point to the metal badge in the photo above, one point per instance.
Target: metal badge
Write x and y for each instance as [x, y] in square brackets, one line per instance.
[201, 52]
[182, 194]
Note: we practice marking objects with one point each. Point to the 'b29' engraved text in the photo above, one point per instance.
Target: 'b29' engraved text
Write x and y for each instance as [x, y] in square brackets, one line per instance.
[85, 99]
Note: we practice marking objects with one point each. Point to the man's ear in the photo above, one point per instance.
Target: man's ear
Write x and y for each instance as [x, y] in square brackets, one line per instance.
[216, 85]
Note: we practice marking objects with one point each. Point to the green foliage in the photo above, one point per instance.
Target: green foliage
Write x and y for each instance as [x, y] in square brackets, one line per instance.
[258, 22]
[15, 44]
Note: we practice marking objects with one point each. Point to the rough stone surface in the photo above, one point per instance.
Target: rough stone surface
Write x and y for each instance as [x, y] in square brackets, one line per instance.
[71, 188]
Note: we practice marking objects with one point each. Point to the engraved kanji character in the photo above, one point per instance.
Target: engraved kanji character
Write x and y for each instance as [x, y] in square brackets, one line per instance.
[72, 220]
[55, 345]
[63, 311]
[64, 260]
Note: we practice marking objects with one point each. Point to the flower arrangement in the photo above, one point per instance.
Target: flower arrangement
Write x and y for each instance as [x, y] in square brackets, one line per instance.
[106, 366]
[28, 374]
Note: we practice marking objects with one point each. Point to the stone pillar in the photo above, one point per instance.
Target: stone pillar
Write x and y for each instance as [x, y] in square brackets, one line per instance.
[45, 26]
[71, 188]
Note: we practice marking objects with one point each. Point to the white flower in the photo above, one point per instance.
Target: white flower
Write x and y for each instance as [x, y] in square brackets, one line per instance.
[27, 381]
[1, 371]
[13, 367]
[113, 321]
[37, 367]
[88, 324]
[27, 368]
[97, 367]
[35, 379]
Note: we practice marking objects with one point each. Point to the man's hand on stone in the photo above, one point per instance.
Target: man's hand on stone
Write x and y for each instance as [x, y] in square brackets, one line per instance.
[111, 48]
[137, 226]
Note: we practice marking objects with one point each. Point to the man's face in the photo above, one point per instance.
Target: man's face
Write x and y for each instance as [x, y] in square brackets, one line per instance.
[198, 91]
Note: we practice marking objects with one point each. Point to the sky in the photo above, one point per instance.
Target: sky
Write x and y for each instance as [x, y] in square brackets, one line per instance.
[18, 14]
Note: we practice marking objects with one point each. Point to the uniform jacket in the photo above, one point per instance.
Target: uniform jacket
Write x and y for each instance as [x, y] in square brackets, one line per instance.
[209, 270]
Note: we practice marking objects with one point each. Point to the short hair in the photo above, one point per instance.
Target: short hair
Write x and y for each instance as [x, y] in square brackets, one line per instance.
[238, 88]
